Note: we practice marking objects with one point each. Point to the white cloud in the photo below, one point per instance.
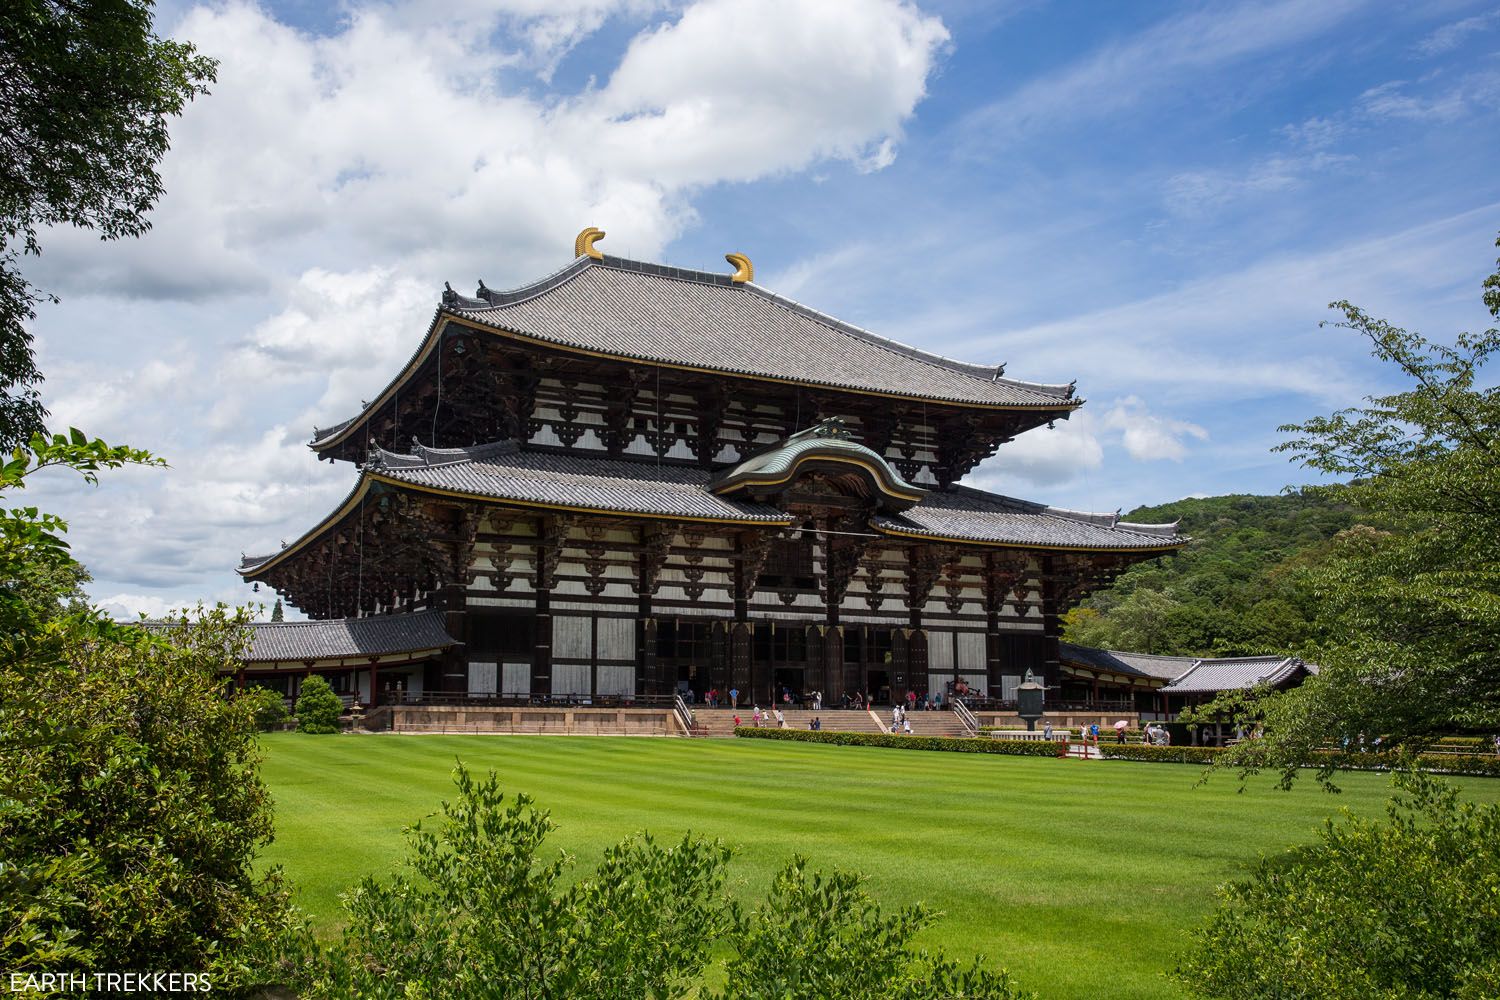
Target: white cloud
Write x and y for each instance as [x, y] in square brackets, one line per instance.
[392, 139]
[319, 197]
[1450, 36]
[1173, 344]
[1147, 436]
[1046, 456]
[1199, 193]
[1119, 75]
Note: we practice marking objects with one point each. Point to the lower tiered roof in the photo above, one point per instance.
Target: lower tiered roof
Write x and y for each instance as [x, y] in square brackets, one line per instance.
[509, 475]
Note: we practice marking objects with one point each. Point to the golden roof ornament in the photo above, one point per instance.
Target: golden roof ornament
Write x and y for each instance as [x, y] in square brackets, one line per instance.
[583, 246]
[744, 270]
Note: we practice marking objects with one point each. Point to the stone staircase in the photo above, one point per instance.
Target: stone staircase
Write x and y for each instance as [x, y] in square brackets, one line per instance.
[719, 722]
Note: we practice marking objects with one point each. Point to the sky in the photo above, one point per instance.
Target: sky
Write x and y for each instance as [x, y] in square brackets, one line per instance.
[1158, 200]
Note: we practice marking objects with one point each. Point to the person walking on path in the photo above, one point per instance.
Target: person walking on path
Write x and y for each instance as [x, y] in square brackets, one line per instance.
[756, 716]
[1047, 730]
[780, 720]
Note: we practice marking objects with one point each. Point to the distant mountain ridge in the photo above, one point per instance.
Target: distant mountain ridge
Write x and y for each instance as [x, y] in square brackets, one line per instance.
[1239, 589]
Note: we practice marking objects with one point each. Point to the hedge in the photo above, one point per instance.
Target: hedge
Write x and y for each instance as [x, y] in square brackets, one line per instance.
[953, 744]
[1159, 755]
[1479, 767]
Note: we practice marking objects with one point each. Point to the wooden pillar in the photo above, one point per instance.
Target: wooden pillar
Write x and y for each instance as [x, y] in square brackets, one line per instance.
[994, 669]
[719, 670]
[852, 676]
[541, 654]
[1051, 624]
[833, 662]
[916, 655]
[900, 664]
[454, 666]
[239, 679]
[646, 681]
[739, 659]
[374, 684]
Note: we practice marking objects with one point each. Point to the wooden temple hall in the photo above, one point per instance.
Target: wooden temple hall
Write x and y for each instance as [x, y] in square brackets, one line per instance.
[628, 480]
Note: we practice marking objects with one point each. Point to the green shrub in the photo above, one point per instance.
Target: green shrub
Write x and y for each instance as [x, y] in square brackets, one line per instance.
[318, 708]
[266, 706]
[1161, 755]
[132, 807]
[821, 937]
[1401, 907]
[952, 744]
[479, 913]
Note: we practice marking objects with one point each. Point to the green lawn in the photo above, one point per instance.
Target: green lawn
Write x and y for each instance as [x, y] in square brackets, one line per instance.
[1080, 877]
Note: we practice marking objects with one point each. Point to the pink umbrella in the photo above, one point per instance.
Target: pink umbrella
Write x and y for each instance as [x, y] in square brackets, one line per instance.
[1122, 724]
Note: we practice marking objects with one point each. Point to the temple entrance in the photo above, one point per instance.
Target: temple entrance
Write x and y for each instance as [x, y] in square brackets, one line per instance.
[789, 679]
[878, 686]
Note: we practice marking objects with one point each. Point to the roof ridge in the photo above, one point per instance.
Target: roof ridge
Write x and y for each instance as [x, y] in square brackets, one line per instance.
[490, 298]
[987, 373]
[1105, 520]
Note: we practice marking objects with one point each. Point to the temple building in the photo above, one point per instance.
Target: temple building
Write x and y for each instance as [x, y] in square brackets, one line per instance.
[627, 480]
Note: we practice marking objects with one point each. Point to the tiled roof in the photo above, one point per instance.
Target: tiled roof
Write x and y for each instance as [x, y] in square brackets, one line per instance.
[1190, 674]
[1135, 664]
[1239, 674]
[342, 638]
[504, 472]
[962, 513]
[702, 319]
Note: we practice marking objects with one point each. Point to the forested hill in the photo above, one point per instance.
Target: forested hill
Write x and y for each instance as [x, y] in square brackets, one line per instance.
[1237, 589]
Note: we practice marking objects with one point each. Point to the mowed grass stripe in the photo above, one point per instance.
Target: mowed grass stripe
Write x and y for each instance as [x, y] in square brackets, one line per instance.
[1081, 877]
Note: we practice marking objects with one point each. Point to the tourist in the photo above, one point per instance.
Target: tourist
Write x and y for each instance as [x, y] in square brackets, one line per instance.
[1497, 744]
[780, 720]
[906, 725]
[736, 720]
[895, 716]
[734, 697]
[1094, 733]
[1047, 730]
[817, 724]
[911, 699]
[756, 716]
[817, 701]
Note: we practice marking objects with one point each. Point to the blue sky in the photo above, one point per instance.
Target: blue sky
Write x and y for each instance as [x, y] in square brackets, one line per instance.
[1155, 199]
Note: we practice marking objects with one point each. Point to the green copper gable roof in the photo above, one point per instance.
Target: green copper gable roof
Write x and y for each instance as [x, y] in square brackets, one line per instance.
[826, 443]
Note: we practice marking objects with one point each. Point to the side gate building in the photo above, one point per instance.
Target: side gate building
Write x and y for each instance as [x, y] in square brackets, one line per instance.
[628, 480]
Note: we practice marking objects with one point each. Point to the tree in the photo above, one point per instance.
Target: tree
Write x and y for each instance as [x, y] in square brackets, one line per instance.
[821, 937]
[479, 913]
[1240, 588]
[1404, 907]
[132, 807]
[484, 916]
[86, 95]
[318, 708]
[266, 707]
[277, 613]
[1408, 605]
[39, 578]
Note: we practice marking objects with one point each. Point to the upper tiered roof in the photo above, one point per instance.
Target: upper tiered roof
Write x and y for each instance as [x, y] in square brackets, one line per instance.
[614, 308]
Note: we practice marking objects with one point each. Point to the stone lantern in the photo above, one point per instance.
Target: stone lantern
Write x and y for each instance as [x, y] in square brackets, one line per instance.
[1029, 698]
